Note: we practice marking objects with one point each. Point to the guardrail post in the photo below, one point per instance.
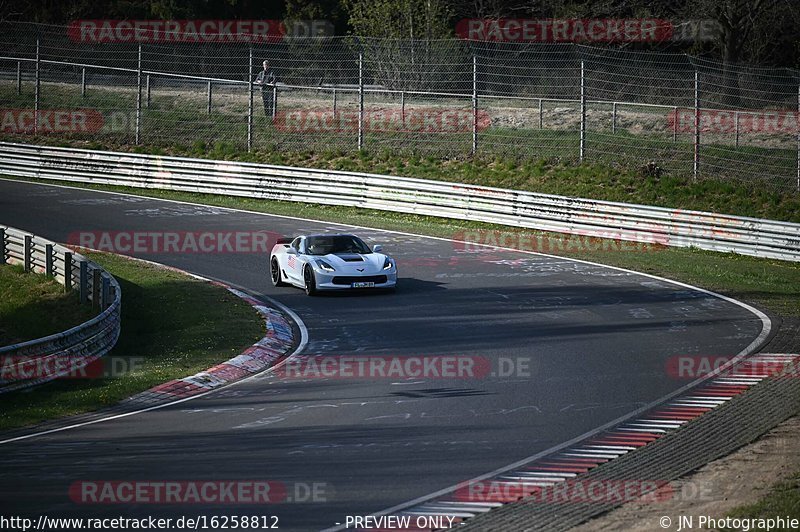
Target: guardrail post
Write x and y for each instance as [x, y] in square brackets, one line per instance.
[208, 98]
[27, 251]
[360, 100]
[83, 82]
[474, 104]
[19, 77]
[250, 99]
[139, 96]
[36, 89]
[613, 118]
[83, 282]
[696, 163]
[96, 276]
[2, 245]
[582, 148]
[48, 260]
[67, 271]
[105, 294]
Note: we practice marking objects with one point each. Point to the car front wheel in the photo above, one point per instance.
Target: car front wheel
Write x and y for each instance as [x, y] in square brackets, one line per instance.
[310, 281]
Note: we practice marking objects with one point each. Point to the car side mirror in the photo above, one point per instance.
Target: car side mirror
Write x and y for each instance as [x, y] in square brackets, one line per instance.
[291, 251]
[377, 248]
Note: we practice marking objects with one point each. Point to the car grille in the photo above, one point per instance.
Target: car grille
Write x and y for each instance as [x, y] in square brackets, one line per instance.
[350, 279]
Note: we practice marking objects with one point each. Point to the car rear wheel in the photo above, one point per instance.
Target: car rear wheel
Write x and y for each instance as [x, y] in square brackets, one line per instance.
[310, 281]
[275, 273]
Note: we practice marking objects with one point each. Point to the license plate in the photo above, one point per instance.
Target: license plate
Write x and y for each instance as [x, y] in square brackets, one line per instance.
[363, 284]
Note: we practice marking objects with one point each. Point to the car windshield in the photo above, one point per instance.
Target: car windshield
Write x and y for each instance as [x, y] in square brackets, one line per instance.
[323, 245]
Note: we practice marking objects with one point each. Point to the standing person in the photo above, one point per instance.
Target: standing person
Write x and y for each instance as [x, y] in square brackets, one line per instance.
[267, 79]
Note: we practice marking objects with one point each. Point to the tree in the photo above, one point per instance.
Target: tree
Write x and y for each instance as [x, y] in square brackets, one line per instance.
[402, 40]
[400, 19]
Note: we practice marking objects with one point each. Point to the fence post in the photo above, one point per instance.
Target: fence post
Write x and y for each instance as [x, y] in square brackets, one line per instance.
[334, 101]
[27, 250]
[613, 118]
[19, 77]
[96, 288]
[675, 124]
[360, 100]
[274, 101]
[36, 91]
[2, 245]
[250, 99]
[474, 104]
[583, 113]
[67, 271]
[696, 164]
[798, 142]
[208, 99]
[139, 96]
[147, 91]
[541, 115]
[83, 282]
[736, 126]
[403, 107]
[48, 260]
[83, 82]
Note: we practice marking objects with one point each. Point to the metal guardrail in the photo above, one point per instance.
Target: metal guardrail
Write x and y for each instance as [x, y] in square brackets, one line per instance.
[36, 361]
[604, 219]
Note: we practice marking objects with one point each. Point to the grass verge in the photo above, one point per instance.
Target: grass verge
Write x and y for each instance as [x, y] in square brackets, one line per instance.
[172, 326]
[783, 500]
[33, 306]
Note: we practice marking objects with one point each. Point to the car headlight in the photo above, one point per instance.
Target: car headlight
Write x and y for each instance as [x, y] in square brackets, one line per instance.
[325, 266]
[387, 264]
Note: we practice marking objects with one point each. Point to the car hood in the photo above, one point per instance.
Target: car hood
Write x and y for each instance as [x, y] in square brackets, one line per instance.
[354, 263]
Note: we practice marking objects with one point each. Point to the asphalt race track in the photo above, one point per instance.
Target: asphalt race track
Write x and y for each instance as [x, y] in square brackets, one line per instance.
[596, 340]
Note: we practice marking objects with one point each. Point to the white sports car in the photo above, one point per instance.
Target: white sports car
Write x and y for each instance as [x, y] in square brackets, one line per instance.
[330, 262]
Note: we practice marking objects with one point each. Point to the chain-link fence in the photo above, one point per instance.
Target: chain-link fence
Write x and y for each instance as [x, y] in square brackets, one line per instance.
[666, 113]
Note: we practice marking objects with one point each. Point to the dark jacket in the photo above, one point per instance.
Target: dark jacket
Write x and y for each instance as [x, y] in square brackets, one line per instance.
[265, 78]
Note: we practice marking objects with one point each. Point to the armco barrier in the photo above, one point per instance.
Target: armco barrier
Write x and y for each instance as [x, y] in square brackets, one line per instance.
[33, 362]
[671, 227]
